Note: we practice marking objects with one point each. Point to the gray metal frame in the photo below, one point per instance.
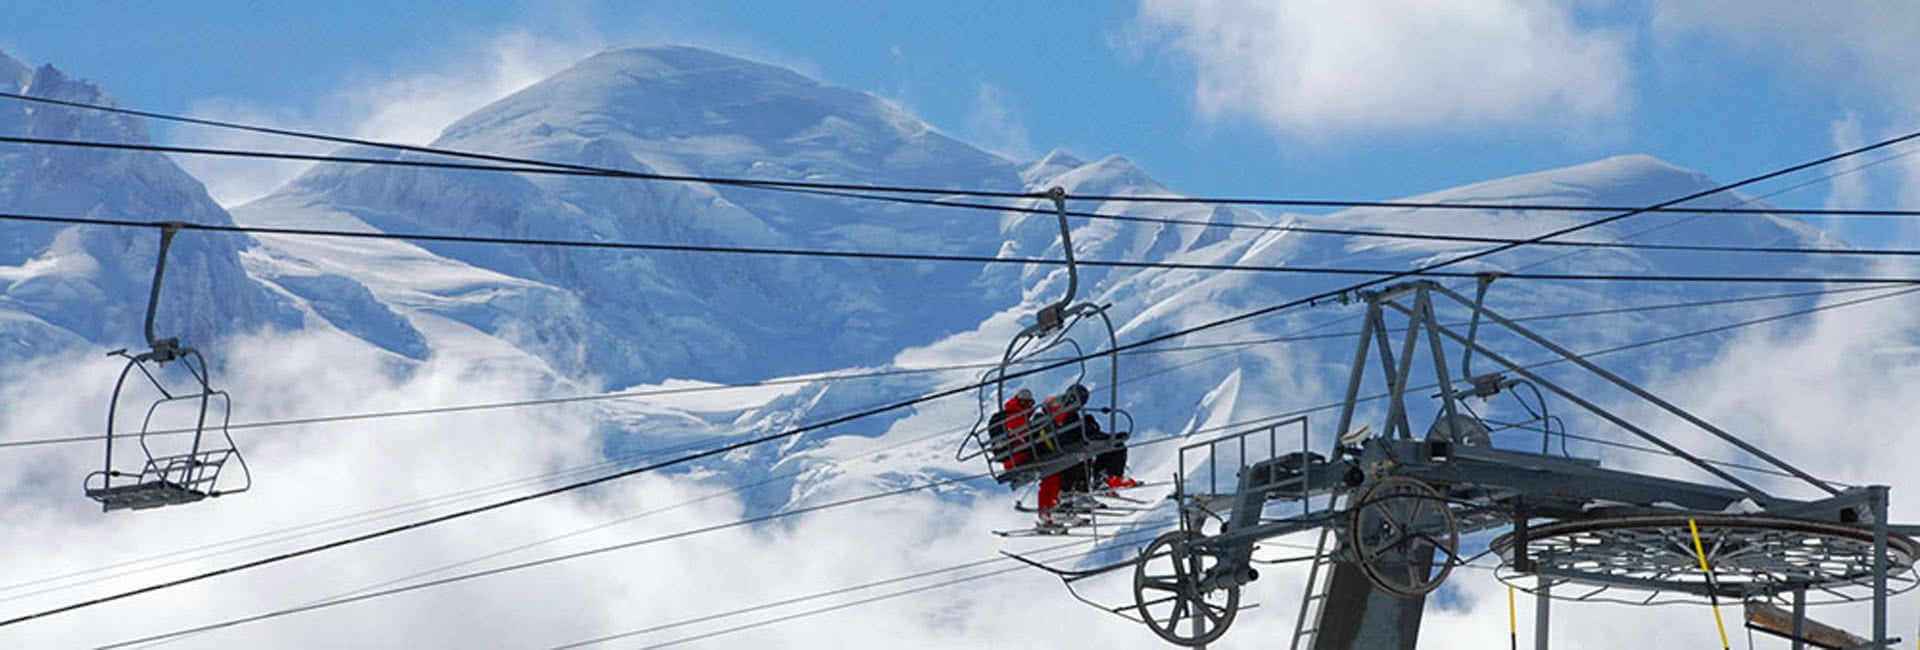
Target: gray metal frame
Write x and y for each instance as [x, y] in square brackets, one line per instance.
[168, 479]
[1490, 488]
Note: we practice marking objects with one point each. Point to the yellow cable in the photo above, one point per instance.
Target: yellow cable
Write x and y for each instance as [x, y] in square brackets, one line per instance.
[1513, 628]
[1701, 552]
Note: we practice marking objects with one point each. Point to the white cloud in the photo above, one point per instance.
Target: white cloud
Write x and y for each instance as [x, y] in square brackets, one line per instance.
[1829, 393]
[300, 474]
[1815, 385]
[1317, 68]
[314, 472]
[1866, 45]
[409, 106]
[1833, 395]
[1909, 183]
[1861, 51]
[992, 126]
[1848, 190]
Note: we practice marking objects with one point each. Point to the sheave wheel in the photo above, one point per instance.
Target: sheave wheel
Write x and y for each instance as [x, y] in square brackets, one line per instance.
[1173, 588]
[1403, 536]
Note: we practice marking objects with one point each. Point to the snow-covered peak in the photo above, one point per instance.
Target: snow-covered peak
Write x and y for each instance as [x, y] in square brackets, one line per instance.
[661, 92]
[701, 102]
[687, 110]
[1616, 180]
[1114, 174]
[55, 122]
[1628, 180]
[1053, 164]
[13, 73]
[92, 283]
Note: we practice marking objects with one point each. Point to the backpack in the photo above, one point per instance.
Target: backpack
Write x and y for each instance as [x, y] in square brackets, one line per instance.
[997, 442]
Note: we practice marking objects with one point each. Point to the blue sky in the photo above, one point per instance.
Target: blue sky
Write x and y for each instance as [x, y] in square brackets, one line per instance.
[1223, 97]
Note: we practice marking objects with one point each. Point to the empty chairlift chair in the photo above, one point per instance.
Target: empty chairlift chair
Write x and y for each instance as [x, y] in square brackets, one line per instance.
[187, 466]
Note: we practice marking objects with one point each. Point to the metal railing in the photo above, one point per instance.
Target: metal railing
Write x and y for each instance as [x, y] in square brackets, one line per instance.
[1238, 444]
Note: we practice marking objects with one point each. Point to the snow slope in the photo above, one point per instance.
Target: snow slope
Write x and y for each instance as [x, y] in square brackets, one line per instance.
[646, 317]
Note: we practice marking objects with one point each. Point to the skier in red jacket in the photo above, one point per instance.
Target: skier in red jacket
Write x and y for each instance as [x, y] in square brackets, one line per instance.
[1013, 419]
[1073, 429]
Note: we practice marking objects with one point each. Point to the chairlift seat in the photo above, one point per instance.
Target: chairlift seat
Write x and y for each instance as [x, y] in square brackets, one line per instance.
[1056, 462]
[171, 480]
[142, 496]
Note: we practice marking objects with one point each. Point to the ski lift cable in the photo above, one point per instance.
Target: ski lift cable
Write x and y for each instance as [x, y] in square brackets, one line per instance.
[1243, 346]
[1283, 227]
[1735, 205]
[1727, 327]
[863, 192]
[305, 608]
[485, 490]
[455, 497]
[1428, 271]
[215, 549]
[526, 167]
[1520, 426]
[865, 601]
[1615, 311]
[1685, 220]
[1243, 423]
[1456, 259]
[1666, 339]
[1356, 288]
[1469, 563]
[1730, 209]
[548, 401]
[530, 165]
[365, 593]
[387, 587]
[569, 556]
[514, 500]
[405, 509]
[1729, 438]
[802, 379]
[1597, 353]
[1212, 324]
[996, 559]
[836, 377]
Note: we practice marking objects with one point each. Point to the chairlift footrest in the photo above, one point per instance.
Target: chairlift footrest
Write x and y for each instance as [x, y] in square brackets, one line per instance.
[141, 496]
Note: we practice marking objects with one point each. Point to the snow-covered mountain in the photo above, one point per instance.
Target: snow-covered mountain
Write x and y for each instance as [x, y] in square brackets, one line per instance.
[62, 286]
[629, 320]
[632, 317]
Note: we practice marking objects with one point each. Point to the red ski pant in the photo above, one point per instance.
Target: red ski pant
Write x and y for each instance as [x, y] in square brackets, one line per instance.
[1049, 491]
